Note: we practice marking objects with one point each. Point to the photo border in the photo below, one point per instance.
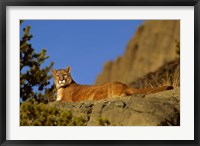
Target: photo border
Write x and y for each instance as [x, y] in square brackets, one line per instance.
[5, 3]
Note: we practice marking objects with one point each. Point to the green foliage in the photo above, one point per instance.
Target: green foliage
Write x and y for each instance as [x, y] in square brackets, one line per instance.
[32, 75]
[104, 122]
[33, 113]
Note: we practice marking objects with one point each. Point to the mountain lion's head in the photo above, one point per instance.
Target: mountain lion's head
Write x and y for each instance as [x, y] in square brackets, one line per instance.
[62, 77]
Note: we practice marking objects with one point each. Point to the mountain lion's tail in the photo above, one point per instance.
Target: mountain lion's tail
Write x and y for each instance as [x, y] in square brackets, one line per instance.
[131, 91]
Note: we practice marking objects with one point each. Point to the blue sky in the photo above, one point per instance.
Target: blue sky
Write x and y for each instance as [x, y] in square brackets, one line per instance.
[85, 45]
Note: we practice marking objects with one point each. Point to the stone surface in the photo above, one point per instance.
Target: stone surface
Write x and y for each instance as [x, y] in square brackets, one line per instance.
[159, 109]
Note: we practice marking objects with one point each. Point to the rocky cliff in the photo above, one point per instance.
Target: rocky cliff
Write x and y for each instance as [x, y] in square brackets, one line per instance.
[154, 44]
[158, 109]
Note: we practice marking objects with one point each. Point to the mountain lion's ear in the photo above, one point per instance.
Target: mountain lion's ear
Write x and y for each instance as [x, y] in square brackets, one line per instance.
[68, 69]
[53, 71]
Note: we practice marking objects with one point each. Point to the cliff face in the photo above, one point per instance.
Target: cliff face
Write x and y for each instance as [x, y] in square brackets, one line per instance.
[154, 44]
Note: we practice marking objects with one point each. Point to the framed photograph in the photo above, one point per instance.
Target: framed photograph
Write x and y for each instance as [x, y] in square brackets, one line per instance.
[99, 72]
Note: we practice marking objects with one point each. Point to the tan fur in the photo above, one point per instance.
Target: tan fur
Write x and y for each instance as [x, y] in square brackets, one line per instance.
[70, 91]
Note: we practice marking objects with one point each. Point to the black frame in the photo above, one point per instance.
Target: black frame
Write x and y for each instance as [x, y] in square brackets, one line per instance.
[4, 3]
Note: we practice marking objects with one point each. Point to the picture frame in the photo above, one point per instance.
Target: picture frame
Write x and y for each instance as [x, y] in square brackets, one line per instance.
[5, 3]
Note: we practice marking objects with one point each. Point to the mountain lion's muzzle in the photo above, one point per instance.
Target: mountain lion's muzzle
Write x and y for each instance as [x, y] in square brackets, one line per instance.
[61, 82]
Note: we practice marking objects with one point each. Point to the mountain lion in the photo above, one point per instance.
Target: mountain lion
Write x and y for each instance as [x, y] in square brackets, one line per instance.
[69, 91]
